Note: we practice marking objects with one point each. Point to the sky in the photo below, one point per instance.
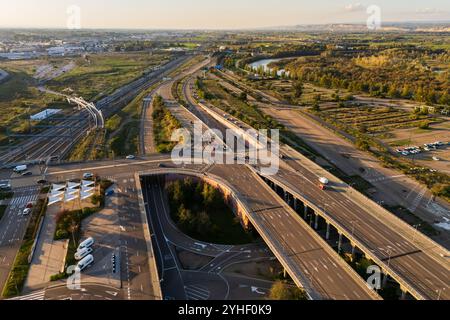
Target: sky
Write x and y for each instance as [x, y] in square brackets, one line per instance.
[210, 14]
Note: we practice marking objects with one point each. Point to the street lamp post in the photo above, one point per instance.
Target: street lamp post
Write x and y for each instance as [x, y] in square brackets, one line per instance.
[389, 251]
[439, 293]
[417, 231]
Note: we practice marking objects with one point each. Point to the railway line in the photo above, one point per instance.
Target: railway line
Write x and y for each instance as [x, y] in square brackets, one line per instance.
[58, 142]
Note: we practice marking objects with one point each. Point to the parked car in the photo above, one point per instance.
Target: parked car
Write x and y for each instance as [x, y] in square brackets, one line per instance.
[30, 205]
[131, 157]
[26, 211]
[86, 262]
[89, 242]
[81, 254]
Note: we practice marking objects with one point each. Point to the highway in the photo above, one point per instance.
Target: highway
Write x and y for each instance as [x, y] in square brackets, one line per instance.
[208, 280]
[418, 263]
[12, 228]
[393, 188]
[300, 248]
[322, 254]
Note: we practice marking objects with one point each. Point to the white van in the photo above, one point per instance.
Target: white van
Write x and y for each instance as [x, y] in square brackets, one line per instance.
[20, 169]
[81, 254]
[86, 243]
[86, 262]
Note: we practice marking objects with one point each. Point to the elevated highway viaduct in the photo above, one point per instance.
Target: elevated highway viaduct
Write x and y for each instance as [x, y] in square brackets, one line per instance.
[417, 263]
[308, 259]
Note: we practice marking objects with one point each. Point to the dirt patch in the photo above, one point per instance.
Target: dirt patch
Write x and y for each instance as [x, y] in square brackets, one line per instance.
[264, 269]
[192, 261]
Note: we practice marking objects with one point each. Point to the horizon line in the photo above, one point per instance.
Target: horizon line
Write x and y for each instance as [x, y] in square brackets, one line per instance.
[221, 29]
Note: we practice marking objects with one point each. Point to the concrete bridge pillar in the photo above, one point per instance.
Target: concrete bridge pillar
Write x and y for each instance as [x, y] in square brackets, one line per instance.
[353, 251]
[327, 235]
[316, 222]
[385, 279]
[305, 212]
[295, 204]
[340, 243]
[403, 296]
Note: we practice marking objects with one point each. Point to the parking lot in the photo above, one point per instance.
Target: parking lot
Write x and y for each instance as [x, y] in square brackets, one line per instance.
[428, 148]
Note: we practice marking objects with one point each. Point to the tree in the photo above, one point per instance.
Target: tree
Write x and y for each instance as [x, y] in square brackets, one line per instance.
[393, 92]
[362, 144]
[442, 190]
[184, 215]
[281, 291]
[444, 99]
[406, 92]
[243, 96]
[424, 125]
[316, 107]
[298, 89]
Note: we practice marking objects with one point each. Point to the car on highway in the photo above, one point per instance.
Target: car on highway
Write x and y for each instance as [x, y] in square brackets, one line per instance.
[20, 169]
[88, 175]
[324, 182]
[131, 157]
[27, 173]
[26, 211]
[436, 159]
[5, 185]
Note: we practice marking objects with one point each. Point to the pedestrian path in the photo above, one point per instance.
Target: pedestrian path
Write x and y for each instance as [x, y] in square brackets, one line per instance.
[196, 293]
[38, 295]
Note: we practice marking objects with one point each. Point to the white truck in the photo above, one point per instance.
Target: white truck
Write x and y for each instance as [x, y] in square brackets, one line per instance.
[20, 169]
[324, 182]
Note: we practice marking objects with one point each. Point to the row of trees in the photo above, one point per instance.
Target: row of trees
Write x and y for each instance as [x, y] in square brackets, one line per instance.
[191, 205]
[200, 210]
[164, 124]
[386, 80]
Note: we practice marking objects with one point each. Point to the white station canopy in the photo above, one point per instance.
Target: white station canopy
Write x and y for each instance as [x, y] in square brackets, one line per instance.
[53, 200]
[73, 185]
[71, 191]
[87, 183]
[56, 193]
[58, 187]
[86, 195]
[70, 197]
[87, 189]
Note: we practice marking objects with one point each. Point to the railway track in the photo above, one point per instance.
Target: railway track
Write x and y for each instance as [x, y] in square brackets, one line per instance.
[57, 143]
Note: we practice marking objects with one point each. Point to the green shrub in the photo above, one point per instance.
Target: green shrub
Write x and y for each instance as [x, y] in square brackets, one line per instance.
[424, 125]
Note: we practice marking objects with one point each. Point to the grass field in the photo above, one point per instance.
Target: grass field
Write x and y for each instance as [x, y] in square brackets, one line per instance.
[99, 75]
[92, 77]
[373, 120]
